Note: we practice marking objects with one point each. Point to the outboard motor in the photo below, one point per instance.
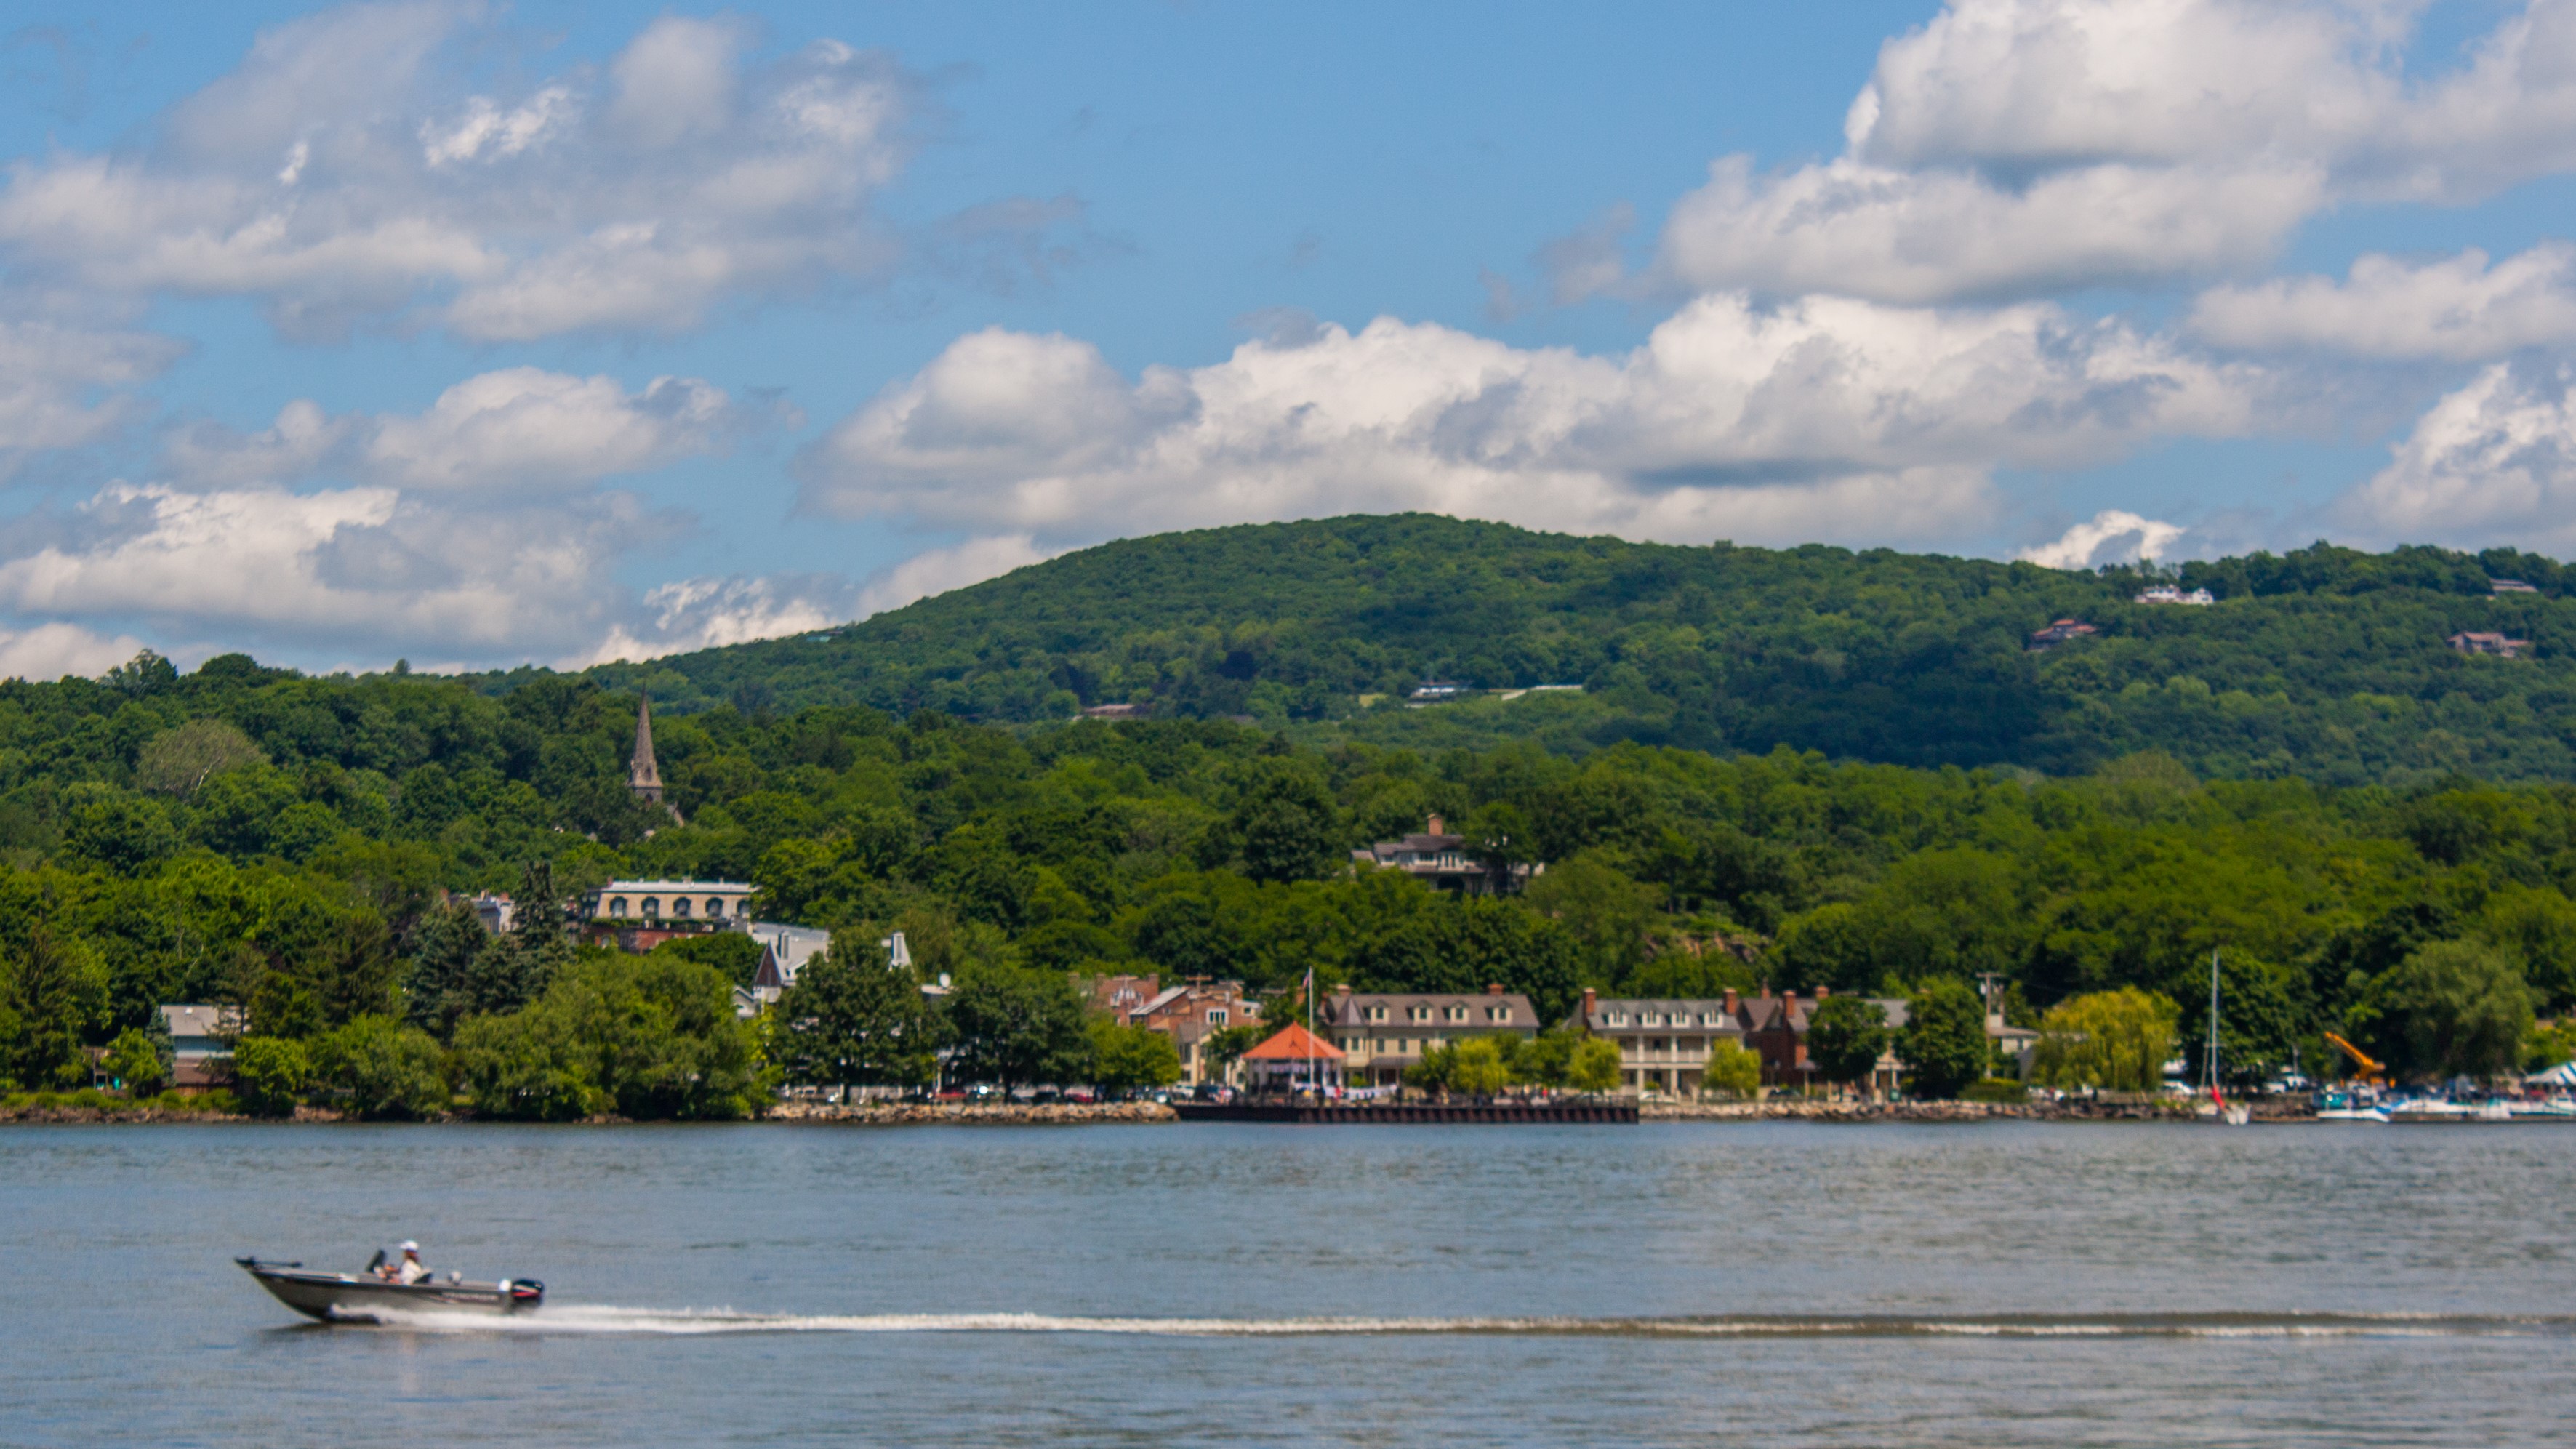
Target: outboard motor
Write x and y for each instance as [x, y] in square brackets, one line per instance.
[524, 1292]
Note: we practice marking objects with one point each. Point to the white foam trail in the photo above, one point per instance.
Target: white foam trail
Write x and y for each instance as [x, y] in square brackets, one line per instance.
[608, 1319]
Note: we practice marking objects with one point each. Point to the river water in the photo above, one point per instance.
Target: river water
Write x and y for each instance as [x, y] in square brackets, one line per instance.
[1996, 1284]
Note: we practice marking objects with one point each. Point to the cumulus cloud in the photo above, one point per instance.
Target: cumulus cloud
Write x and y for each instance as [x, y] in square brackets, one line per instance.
[338, 567]
[62, 386]
[2013, 148]
[2457, 309]
[938, 570]
[51, 651]
[1825, 418]
[343, 172]
[2112, 536]
[2495, 459]
[518, 428]
[705, 613]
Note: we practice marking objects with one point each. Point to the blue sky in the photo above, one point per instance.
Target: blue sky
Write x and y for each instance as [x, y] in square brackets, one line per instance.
[476, 334]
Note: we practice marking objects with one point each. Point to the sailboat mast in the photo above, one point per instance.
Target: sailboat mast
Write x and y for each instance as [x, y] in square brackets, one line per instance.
[2211, 1070]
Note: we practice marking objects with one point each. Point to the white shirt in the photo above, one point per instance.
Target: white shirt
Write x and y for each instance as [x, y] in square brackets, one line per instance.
[412, 1271]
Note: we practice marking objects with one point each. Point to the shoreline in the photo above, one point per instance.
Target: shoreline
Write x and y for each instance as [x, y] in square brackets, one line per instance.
[962, 1114]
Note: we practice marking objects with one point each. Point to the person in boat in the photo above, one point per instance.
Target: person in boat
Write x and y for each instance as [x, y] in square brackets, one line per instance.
[410, 1269]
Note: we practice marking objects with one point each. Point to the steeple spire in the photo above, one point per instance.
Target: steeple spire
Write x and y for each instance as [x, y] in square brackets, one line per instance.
[642, 775]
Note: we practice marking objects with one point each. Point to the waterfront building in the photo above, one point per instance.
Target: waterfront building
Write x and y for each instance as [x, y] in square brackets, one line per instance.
[1664, 1043]
[784, 950]
[201, 1044]
[1189, 1014]
[1380, 1033]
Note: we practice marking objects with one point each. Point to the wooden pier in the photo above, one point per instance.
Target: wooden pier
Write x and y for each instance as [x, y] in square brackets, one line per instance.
[1401, 1114]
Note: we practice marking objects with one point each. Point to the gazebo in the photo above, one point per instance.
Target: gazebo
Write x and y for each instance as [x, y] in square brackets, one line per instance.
[1294, 1060]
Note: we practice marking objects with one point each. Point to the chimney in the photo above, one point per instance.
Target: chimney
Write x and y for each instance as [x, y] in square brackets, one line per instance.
[1436, 824]
[1730, 1000]
[1344, 989]
[1591, 1006]
[1823, 991]
[1493, 988]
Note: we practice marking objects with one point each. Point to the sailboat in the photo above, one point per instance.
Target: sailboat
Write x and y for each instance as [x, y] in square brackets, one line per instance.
[2232, 1114]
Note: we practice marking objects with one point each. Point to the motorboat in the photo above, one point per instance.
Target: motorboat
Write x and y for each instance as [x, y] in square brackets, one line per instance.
[365, 1298]
[2350, 1107]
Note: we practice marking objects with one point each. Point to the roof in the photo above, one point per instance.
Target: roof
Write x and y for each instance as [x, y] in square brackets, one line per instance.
[787, 948]
[676, 887]
[1664, 1008]
[202, 1020]
[1294, 1043]
[1349, 1008]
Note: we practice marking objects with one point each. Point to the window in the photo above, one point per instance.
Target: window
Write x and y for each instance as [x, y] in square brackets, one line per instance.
[617, 906]
[1618, 1018]
[1457, 1013]
[1377, 1013]
[1381, 1044]
[1216, 1017]
[1419, 1013]
[680, 906]
[652, 907]
[715, 908]
[1498, 1013]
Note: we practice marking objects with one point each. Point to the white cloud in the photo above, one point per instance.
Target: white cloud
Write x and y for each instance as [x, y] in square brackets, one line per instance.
[2495, 459]
[342, 173]
[707, 613]
[62, 386]
[518, 428]
[938, 570]
[339, 566]
[2457, 309]
[50, 651]
[2015, 148]
[1825, 418]
[2111, 536]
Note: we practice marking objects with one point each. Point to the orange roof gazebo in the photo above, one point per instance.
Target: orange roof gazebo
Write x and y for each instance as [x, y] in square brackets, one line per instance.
[1294, 1043]
[1281, 1061]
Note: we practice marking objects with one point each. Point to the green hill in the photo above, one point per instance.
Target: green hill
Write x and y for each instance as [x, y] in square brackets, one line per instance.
[2326, 663]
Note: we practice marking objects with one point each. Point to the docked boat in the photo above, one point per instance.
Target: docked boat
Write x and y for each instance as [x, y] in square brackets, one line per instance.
[365, 1298]
[2350, 1107]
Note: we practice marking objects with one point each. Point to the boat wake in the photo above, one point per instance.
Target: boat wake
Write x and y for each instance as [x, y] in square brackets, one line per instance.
[601, 1319]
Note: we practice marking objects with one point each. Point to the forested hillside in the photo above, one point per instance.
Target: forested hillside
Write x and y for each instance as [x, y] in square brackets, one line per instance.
[2325, 664]
[245, 835]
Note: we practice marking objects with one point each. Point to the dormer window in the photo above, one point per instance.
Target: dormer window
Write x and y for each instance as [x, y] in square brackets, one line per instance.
[1457, 1013]
[1618, 1018]
[1377, 1013]
[1419, 1013]
[1498, 1013]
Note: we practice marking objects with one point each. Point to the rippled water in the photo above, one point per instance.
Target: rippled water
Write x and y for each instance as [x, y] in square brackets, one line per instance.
[2001, 1283]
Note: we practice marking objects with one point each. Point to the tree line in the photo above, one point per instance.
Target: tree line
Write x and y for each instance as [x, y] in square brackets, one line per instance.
[294, 846]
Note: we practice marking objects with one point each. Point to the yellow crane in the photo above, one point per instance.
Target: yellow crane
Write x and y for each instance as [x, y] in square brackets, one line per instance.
[2373, 1073]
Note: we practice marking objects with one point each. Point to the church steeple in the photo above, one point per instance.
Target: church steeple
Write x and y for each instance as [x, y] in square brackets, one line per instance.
[642, 775]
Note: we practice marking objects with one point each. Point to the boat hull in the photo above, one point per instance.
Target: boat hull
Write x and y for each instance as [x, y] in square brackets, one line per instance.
[350, 1298]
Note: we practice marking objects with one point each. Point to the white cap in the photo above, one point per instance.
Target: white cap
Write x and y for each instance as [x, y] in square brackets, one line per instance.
[410, 1247]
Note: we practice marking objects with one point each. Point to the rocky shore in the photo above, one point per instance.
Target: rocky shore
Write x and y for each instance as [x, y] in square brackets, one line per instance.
[957, 1114]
